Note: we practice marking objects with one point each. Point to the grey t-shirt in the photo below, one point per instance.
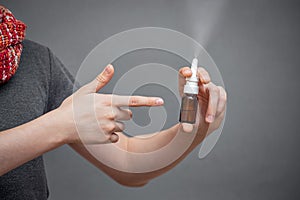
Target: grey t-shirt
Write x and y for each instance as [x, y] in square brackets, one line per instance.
[40, 84]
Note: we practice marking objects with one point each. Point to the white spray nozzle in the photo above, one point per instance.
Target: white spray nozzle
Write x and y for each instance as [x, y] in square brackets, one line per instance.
[191, 85]
[194, 67]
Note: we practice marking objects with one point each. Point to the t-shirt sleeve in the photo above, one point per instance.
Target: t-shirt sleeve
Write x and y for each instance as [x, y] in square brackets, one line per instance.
[61, 83]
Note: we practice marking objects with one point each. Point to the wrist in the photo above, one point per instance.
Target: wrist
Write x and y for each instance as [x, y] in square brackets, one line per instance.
[63, 128]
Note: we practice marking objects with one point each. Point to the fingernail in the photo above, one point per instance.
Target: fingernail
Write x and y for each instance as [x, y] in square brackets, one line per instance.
[108, 69]
[207, 78]
[186, 71]
[210, 118]
[159, 101]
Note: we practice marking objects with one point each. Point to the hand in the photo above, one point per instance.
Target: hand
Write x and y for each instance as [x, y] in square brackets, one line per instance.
[97, 117]
[212, 99]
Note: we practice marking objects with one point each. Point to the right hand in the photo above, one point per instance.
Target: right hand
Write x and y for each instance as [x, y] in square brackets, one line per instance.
[212, 101]
[97, 117]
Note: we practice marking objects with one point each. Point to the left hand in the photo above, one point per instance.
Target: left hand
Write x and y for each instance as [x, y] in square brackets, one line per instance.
[212, 100]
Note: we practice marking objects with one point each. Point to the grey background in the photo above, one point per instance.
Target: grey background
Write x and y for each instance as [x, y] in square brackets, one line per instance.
[256, 46]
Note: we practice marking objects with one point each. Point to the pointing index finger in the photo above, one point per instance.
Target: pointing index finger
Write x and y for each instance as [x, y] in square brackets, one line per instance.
[136, 101]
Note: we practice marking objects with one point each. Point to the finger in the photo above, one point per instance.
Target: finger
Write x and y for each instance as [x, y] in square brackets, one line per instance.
[114, 138]
[123, 114]
[186, 127]
[101, 80]
[203, 75]
[119, 126]
[213, 92]
[136, 101]
[222, 100]
[184, 72]
[116, 113]
[116, 127]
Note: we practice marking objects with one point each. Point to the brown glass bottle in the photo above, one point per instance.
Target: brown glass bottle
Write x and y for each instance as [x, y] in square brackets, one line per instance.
[188, 110]
[189, 103]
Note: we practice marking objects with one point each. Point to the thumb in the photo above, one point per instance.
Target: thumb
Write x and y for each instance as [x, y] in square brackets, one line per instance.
[101, 80]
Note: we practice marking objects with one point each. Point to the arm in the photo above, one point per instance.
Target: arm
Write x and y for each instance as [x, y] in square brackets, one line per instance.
[212, 100]
[140, 146]
[28, 141]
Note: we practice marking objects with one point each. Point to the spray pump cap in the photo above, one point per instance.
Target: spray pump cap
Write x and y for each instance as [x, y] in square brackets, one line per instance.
[191, 86]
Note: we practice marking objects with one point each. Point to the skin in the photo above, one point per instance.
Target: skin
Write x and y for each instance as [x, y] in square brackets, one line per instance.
[25, 142]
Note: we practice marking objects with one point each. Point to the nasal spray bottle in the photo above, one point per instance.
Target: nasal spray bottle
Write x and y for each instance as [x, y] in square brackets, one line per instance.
[189, 101]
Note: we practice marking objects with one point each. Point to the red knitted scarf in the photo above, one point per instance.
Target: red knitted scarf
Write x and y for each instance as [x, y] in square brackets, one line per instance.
[12, 33]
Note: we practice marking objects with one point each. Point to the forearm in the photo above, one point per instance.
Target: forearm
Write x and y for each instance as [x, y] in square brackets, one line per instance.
[28, 141]
[153, 142]
[136, 153]
[180, 144]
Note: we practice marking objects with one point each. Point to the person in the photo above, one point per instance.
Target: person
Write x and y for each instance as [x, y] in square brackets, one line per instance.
[37, 116]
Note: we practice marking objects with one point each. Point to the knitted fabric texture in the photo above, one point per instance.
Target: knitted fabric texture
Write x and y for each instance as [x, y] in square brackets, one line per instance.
[12, 33]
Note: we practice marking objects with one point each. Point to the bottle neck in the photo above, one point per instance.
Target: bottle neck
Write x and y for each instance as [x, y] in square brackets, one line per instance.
[191, 87]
